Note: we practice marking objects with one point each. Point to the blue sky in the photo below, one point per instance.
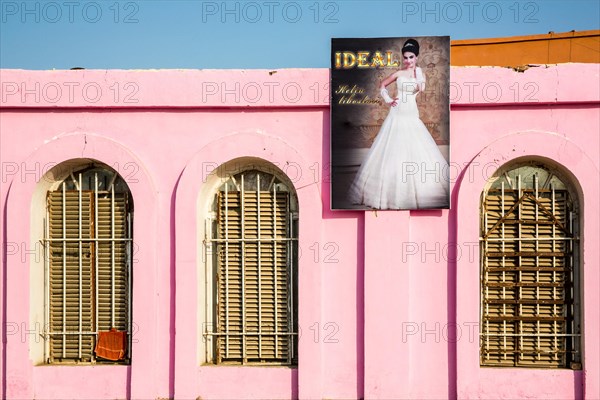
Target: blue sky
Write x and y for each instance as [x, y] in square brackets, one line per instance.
[153, 34]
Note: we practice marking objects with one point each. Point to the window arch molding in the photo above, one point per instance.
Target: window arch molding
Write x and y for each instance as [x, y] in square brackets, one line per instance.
[190, 189]
[477, 167]
[23, 303]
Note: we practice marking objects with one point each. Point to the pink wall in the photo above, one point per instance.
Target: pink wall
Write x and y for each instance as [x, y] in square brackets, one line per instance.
[389, 304]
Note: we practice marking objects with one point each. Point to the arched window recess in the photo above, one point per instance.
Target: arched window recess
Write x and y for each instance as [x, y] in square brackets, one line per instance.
[88, 266]
[530, 269]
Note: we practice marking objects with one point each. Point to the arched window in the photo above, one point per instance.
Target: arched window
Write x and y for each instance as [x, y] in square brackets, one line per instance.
[530, 280]
[88, 243]
[251, 240]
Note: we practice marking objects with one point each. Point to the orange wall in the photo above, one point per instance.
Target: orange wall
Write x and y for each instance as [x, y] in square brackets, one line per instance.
[551, 48]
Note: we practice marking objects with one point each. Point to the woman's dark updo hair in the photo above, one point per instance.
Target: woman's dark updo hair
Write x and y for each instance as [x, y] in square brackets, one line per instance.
[411, 45]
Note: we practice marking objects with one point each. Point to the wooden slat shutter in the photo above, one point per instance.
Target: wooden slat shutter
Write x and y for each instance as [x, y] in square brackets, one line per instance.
[254, 277]
[108, 319]
[70, 281]
[88, 291]
[527, 279]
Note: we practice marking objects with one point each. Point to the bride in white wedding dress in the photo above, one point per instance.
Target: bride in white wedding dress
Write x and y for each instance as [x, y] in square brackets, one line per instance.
[404, 168]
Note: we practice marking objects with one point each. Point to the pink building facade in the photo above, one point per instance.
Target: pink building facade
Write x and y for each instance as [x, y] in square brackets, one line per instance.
[388, 302]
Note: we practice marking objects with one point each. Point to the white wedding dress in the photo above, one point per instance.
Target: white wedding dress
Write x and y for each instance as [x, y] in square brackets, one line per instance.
[404, 168]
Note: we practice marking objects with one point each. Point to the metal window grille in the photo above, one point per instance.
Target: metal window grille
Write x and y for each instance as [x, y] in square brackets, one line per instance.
[254, 255]
[529, 276]
[87, 242]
